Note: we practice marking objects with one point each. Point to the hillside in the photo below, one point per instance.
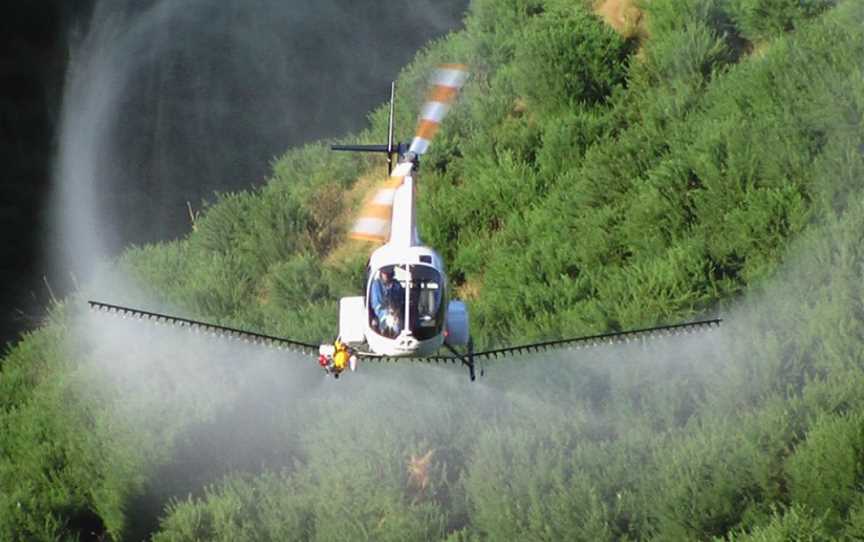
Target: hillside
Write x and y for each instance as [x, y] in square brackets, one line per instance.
[705, 159]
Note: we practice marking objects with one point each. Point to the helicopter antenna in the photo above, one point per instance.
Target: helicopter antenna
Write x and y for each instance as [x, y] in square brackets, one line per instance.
[390, 129]
[391, 147]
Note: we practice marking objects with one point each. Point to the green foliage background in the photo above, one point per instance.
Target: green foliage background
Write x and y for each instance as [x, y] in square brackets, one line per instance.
[584, 182]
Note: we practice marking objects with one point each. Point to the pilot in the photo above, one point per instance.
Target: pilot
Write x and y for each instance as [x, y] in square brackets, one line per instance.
[387, 298]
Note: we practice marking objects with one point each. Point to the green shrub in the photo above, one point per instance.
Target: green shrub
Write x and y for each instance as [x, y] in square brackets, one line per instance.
[854, 527]
[706, 482]
[494, 28]
[270, 507]
[222, 224]
[296, 282]
[567, 56]
[764, 19]
[519, 487]
[692, 54]
[795, 523]
[826, 470]
[565, 139]
[668, 16]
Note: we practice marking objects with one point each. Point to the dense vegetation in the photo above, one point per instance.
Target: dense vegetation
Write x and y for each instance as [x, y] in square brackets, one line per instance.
[705, 159]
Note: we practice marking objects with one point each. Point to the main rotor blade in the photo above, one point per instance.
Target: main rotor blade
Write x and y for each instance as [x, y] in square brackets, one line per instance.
[197, 326]
[374, 221]
[373, 224]
[446, 82]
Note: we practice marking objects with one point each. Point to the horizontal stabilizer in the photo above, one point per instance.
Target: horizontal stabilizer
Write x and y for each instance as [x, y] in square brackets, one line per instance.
[360, 148]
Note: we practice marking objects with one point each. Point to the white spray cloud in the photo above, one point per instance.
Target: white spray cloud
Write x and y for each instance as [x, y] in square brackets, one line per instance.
[168, 101]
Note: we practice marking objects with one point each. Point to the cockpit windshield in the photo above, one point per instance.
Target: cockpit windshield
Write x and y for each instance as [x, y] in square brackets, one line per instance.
[426, 293]
[420, 288]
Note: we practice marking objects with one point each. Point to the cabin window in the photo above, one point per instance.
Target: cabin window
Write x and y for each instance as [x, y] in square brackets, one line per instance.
[419, 288]
[426, 302]
[386, 298]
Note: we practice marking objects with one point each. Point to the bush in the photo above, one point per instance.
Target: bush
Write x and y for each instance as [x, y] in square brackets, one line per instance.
[764, 19]
[692, 54]
[706, 482]
[494, 28]
[270, 507]
[826, 470]
[795, 523]
[520, 487]
[565, 139]
[668, 16]
[567, 57]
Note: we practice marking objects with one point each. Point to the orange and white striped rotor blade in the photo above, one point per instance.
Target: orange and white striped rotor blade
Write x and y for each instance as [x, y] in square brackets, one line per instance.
[373, 224]
[374, 221]
[446, 82]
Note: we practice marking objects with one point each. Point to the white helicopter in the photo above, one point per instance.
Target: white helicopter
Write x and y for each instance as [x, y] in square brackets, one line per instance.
[406, 312]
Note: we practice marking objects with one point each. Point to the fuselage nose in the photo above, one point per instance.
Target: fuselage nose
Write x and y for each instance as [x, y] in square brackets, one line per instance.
[406, 342]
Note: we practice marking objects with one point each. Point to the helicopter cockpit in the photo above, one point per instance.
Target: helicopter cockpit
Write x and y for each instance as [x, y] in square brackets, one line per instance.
[419, 288]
